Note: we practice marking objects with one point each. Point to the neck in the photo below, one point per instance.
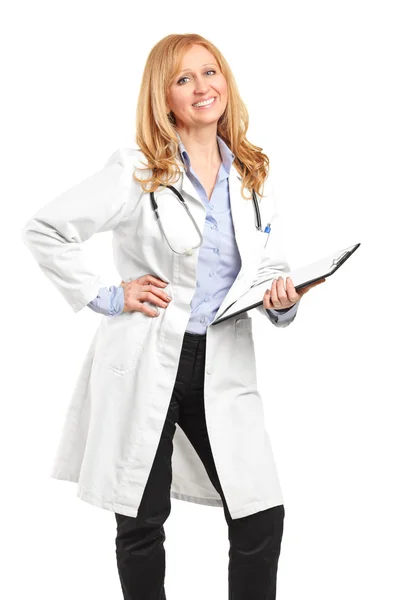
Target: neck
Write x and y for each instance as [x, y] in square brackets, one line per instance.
[201, 145]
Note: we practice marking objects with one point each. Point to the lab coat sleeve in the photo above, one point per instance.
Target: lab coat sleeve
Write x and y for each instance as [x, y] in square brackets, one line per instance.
[56, 233]
[273, 262]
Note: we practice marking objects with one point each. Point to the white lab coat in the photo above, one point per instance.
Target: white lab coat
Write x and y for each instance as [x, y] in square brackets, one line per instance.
[121, 397]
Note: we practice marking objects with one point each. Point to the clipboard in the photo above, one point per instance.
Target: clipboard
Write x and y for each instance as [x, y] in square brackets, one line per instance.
[301, 277]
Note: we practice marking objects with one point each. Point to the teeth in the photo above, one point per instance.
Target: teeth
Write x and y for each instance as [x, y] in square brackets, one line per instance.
[205, 102]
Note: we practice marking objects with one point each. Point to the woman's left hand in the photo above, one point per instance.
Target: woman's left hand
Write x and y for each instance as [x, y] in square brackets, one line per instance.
[278, 298]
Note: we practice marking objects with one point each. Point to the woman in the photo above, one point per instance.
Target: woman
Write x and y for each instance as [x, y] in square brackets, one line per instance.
[143, 376]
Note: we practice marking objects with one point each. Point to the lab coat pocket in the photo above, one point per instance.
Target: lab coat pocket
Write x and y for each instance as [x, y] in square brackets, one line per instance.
[122, 339]
[244, 366]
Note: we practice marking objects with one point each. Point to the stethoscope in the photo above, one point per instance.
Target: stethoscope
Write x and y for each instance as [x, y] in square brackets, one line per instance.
[189, 251]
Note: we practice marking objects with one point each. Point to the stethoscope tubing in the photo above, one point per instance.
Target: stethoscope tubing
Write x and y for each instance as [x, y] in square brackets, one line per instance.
[182, 201]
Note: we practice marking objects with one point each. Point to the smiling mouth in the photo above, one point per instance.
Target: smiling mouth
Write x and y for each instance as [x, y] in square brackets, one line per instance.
[204, 102]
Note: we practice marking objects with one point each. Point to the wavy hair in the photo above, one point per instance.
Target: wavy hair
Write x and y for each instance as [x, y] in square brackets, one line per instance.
[156, 134]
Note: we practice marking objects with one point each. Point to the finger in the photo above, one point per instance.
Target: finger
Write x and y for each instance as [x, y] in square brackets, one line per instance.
[155, 281]
[158, 297]
[282, 296]
[147, 310]
[138, 305]
[267, 299]
[149, 279]
[291, 291]
[274, 294]
[152, 293]
[286, 299]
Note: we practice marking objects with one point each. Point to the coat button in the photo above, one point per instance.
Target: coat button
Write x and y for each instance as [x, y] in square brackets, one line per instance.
[209, 369]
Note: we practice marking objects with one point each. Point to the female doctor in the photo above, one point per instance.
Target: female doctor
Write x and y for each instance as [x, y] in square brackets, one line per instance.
[184, 254]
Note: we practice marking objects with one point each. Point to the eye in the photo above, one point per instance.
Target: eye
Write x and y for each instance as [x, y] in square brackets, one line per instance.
[186, 77]
[182, 79]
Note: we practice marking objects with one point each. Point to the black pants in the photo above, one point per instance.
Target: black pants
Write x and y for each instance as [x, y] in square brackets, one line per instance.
[255, 540]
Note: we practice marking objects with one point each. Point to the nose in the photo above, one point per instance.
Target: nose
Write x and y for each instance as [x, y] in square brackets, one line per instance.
[200, 86]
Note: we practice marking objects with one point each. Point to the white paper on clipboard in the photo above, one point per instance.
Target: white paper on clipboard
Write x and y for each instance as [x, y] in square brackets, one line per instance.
[301, 277]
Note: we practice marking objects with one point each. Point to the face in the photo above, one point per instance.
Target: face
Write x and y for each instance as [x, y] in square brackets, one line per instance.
[199, 79]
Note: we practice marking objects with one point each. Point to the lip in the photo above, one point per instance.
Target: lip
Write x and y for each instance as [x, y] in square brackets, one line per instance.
[205, 100]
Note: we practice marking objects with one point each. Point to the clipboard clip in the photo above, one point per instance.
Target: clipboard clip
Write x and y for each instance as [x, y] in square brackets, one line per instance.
[340, 259]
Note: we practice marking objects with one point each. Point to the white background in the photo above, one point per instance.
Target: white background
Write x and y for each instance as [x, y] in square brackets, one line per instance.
[320, 80]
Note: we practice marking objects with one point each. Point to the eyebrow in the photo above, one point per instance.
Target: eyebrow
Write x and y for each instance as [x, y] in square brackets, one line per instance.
[205, 65]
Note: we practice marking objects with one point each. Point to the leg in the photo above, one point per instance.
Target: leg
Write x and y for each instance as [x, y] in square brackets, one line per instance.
[140, 540]
[255, 543]
[255, 540]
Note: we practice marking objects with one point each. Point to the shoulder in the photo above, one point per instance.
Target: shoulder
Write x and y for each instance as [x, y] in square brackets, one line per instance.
[125, 157]
[129, 159]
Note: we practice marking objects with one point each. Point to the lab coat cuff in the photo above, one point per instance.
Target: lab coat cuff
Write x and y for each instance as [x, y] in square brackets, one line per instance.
[117, 300]
[86, 294]
[281, 319]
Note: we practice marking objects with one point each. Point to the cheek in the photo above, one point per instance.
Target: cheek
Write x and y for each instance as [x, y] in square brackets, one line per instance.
[223, 88]
[179, 101]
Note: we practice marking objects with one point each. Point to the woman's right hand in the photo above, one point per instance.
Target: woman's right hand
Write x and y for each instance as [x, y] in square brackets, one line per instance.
[145, 288]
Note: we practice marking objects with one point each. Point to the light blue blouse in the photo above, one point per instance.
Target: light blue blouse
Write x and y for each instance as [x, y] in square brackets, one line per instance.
[219, 260]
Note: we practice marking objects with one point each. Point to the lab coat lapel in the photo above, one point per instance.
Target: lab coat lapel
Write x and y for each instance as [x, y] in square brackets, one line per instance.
[185, 185]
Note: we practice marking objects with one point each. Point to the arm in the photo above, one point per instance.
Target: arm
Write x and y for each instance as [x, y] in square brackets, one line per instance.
[273, 262]
[56, 233]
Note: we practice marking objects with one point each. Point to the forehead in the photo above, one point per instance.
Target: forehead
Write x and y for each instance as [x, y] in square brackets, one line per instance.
[196, 57]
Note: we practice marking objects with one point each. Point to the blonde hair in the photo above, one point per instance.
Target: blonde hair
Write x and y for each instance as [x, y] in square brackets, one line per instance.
[156, 135]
